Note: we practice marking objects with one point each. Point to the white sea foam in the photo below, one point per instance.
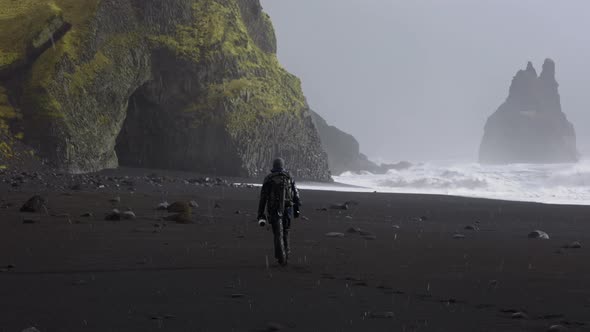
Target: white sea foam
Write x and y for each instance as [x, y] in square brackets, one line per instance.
[556, 183]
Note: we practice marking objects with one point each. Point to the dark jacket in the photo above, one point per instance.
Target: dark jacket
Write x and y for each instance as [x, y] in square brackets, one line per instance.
[265, 195]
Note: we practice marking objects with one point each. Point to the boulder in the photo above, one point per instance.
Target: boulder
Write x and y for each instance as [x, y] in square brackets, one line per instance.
[574, 245]
[537, 234]
[180, 207]
[530, 127]
[128, 215]
[114, 215]
[35, 204]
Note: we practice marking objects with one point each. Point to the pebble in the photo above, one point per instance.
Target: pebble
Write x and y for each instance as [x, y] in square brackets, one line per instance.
[163, 206]
[574, 245]
[128, 215]
[274, 327]
[537, 234]
[113, 215]
[86, 215]
[472, 228]
[353, 230]
[79, 283]
[30, 221]
[335, 234]
[385, 314]
[519, 315]
[339, 206]
[7, 268]
[31, 329]
[193, 204]
[557, 328]
[115, 200]
[458, 236]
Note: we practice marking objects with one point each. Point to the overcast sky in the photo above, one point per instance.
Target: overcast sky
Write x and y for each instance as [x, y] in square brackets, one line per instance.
[416, 79]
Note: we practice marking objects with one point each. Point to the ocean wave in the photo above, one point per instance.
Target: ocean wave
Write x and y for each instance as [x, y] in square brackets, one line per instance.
[555, 183]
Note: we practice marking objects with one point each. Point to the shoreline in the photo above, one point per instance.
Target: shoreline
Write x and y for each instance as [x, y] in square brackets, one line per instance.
[369, 190]
[358, 189]
[181, 177]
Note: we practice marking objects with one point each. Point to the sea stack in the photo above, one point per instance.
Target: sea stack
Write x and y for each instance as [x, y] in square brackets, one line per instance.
[530, 127]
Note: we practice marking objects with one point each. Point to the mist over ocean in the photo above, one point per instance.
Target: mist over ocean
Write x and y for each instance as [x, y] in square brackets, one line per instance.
[551, 183]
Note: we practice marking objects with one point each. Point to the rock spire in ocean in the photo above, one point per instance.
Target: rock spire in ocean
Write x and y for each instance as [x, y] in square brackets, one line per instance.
[530, 126]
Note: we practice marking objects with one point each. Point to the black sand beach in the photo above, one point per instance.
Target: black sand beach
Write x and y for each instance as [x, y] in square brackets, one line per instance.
[404, 270]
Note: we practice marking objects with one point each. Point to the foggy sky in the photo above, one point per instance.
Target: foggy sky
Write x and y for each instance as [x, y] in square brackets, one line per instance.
[416, 80]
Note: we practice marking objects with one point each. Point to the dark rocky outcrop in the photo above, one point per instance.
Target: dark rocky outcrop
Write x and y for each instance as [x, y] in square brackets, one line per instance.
[177, 84]
[530, 126]
[344, 151]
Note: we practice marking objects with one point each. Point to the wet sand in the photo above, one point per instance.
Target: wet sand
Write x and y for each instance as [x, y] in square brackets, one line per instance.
[404, 272]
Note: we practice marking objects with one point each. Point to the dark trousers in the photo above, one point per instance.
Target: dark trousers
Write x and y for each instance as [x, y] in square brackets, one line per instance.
[280, 228]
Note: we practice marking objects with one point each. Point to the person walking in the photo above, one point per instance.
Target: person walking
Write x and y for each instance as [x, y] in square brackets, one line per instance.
[280, 197]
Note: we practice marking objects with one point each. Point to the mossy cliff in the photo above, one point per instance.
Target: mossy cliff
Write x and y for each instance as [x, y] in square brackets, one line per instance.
[177, 84]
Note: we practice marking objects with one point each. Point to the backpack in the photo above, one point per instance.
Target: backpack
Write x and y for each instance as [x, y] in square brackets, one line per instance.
[281, 191]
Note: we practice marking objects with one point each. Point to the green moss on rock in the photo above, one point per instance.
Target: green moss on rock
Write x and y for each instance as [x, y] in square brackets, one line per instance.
[256, 85]
[7, 113]
[187, 74]
[25, 27]
[7, 59]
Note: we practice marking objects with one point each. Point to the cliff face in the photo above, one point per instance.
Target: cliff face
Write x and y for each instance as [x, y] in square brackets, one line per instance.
[344, 151]
[530, 126]
[178, 84]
